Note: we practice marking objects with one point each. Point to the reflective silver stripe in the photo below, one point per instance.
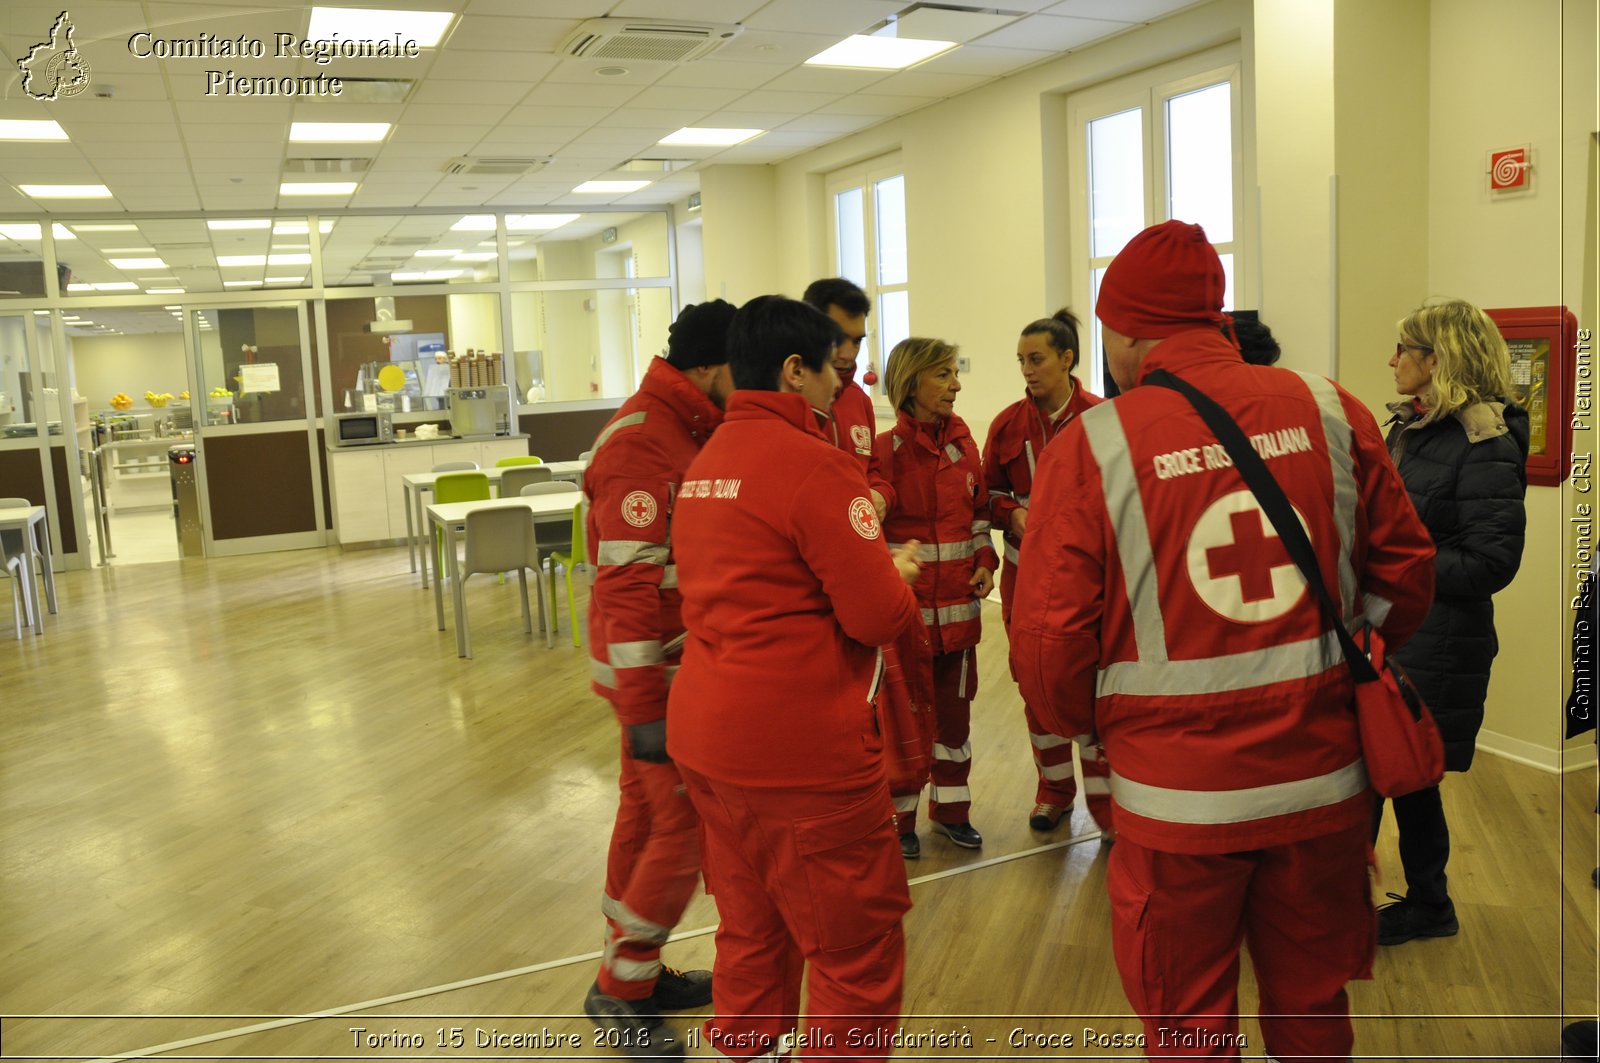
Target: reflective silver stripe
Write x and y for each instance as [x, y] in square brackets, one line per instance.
[606, 676]
[669, 577]
[1337, 433]
[897, 441]
[631, 551]
[954, 756]
[1056, 772]
[951, 614]
[635, 926]
[1221, 675]
[1120, 486]
[949, 795]
[981, 542]
[907, 802]
[1047, 741]
[1096, 784]
[1027, 448]
[931, 552]
[611, 429]
[674, 644]
[1022, 500]
[953, 452]
[1001, 494]
[1239, 806]
[981, 527]
[961, 685]
[1377, 609]
[635, 654]
[1012, 554]
[627, 970]
[877, 677]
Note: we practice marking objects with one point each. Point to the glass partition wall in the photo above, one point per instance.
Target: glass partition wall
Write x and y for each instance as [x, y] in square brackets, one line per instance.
[265, 325]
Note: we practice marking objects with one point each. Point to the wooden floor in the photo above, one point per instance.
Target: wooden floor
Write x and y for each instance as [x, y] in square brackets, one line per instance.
[241, 789]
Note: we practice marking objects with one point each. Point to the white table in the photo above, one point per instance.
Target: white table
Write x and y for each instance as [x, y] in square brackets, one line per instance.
[30, 520]
[450, 518]
[418, 483]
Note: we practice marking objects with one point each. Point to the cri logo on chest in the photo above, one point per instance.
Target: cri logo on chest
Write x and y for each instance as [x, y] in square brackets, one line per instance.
[55, 69]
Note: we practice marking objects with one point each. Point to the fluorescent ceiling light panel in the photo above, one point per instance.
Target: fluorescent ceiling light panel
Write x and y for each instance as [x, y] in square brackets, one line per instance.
[476, 256]
[241, 284]
[118, 228]
[438, 252]
[317, 188]
[474, 223]
[66, 191]
[299, 228]
[426, 274]
[31, 129]
[338, 132]
[115, 286]
[288, 260]
[290, 247]
[708, 137]
[127, 250]
[362, 24]
[536, 223]
[284, 280]
[137, 263]
[609, 188]
[165, 291]
[878, 53]
[239, 223]
[241, 260]
[81, 286]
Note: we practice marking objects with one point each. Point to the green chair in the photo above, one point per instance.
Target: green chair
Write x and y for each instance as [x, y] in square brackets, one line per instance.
[528, 459]
[562, 548]
[457, 487]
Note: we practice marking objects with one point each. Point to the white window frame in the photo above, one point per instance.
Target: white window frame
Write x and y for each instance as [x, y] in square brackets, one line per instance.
[1149, 90]
[866, 177]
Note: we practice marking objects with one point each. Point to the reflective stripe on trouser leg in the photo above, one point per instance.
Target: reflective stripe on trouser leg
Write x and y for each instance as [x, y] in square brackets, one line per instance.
[905, 812]
[651, 872]
[954, 683]
[1096, 781]
[1052, 760]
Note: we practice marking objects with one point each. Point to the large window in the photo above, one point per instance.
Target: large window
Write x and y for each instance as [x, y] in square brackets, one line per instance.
[867, 208]
[1165, 143]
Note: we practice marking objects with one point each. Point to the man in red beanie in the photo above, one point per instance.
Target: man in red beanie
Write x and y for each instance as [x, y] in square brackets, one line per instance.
[634, 635]
[1158, 611]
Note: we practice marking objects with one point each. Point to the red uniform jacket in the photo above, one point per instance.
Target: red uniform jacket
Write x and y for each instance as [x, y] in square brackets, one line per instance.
[853, 427]
[787, 588]
[1017, 438]
[637, 464]
[936, 496]
[1157, 609]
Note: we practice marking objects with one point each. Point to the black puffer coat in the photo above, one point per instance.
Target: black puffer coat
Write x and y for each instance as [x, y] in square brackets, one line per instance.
[1466, 475]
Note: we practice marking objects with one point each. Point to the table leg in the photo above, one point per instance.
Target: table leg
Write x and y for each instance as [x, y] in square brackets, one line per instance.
[430, 557]
[428, 543]
[455, 591]
[49, 564]
[30, 592]
[411, 535]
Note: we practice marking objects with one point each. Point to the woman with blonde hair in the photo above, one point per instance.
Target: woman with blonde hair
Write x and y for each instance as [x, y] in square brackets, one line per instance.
[936, 495]
[1461, 446]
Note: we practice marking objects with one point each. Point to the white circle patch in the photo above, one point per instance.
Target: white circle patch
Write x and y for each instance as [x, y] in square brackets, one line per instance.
[639, 509]
[1239, 566]
[864, 519]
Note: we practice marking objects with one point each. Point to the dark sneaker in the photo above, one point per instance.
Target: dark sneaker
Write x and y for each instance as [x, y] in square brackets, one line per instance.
[963, 834]
[910, 846]
[681, 990]
[1578, 1039]
[1406, 919]
[640, 1031]
[1045, 816]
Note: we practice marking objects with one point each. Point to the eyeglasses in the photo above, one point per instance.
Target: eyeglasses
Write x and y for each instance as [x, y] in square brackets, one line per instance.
[1403, 347]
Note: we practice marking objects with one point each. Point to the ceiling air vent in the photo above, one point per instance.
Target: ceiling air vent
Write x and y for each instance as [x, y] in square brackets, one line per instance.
[504, 165]
[326, 165]
[647, 40]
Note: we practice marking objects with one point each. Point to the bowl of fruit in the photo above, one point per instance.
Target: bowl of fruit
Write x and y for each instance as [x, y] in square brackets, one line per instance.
[119, 401]
[157, 401]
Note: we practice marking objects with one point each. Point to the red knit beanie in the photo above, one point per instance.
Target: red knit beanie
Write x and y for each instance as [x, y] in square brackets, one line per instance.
[1166, 280]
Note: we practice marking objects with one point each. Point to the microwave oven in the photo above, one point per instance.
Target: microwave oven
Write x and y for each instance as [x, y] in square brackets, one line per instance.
[359, 429]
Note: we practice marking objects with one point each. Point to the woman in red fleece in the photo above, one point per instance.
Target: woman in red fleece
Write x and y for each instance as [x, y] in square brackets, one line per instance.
[787, 589]
[936, 494]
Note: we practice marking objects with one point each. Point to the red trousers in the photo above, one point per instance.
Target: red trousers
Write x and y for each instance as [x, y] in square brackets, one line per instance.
[1304, 909]
[1052, 753]
[651, 873]
[955, 683]
[803, 877]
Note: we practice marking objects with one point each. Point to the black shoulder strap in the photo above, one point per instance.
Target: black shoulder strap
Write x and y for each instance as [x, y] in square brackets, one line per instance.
[1276, 506]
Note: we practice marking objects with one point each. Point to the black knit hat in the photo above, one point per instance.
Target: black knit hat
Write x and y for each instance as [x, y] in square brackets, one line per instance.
[700, 335]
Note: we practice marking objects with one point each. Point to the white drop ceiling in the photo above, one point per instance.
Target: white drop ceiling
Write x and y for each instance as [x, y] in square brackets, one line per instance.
[496, 85]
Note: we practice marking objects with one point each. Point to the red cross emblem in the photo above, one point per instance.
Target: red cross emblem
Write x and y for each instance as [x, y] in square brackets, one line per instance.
[639, 509]
[1237, 563]
[864, 519]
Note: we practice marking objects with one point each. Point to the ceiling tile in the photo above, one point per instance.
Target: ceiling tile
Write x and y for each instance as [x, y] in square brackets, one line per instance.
[1118, 10]
[439, 91]
[1050, 33]
[475, 32]
[675, 97]
[695, 10]
[575, 9]
[718, 73]
[824, 79]
[597, 95]
[917, 83]
[829, 123]
[978, 59]
[586, 72]
[774, 47]
[454, 114]
[846, 16]
[882, 106]
[526, 67]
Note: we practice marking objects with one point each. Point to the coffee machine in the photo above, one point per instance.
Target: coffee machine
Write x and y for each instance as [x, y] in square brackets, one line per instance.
[479, 412]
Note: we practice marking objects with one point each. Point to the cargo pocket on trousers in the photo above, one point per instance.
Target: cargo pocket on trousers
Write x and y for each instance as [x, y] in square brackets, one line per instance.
[854, 872]
[1131, 941]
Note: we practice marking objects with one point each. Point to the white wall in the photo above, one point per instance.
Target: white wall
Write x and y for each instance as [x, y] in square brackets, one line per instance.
[105, 365]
